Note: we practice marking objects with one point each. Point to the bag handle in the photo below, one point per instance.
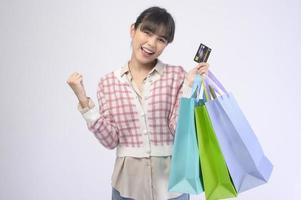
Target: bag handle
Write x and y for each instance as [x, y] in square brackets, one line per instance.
[216, 82]
[199, 91]
[206, 95]
[206, 87]
[210, 89]
[197, 87]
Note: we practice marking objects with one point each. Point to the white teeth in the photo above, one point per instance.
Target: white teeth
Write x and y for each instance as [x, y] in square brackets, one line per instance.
[147, 50]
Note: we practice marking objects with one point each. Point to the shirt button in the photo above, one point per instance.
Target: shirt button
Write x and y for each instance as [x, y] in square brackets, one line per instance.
[147, 163]
[145, 132]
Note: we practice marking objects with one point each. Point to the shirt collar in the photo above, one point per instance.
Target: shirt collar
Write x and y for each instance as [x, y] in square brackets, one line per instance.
[159, 67]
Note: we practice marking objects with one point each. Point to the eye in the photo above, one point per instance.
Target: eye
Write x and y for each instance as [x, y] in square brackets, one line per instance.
[163, 40]
[147, 32]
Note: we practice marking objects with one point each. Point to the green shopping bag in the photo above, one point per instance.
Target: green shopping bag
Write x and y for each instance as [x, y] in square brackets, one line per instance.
[216, 179]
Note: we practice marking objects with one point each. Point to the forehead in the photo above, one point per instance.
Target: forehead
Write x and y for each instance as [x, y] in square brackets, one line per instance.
[158, 29]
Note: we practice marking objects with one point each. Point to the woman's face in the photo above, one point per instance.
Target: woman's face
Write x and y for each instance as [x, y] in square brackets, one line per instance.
[146, 46]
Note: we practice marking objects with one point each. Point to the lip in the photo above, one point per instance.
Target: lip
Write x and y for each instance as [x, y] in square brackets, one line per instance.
[147, 52]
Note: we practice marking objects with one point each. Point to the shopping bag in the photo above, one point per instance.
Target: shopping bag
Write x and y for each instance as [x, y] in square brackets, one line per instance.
[246, 161]
[216, 179]
[185, 174]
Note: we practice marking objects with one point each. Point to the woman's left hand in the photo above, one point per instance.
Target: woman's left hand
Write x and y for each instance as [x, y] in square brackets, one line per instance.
[201, 68]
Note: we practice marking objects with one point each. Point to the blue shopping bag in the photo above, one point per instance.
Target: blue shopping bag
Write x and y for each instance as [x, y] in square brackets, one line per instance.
[246, 161]
[185, 173]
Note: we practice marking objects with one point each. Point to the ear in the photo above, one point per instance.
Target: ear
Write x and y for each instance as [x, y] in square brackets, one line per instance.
[132, 30]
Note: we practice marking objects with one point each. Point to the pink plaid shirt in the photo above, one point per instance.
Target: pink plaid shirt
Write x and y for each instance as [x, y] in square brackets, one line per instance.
[138, 131]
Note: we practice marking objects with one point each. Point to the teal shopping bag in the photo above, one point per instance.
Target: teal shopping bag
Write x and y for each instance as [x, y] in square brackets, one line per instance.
[185, 173]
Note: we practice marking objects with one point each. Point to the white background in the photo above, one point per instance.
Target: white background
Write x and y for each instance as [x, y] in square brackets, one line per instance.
[46, 151]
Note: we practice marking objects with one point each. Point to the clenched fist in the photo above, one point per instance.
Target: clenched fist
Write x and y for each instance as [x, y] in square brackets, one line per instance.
[75, 81]
[201, 68]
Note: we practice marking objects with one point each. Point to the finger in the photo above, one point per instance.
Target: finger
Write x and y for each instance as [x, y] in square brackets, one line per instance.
[82, 82]
[205, 68]
[203, 71]
[201, 65]
[77, 75]
[72, 76]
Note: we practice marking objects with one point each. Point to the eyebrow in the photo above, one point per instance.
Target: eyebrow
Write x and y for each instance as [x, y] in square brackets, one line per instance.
[154, 30]
[163, 36]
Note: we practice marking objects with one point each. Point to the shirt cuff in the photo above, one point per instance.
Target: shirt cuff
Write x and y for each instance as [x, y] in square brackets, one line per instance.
[186, 89]
[90, 113]
[82, 110]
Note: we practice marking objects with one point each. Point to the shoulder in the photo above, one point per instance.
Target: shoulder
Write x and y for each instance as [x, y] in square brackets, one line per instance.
[111, 78]
[174, 71]
[106, 79]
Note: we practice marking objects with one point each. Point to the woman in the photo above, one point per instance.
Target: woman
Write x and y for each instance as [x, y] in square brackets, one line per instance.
[138, 106]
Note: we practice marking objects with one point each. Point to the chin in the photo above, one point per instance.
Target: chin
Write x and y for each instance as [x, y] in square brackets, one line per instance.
[146, 60]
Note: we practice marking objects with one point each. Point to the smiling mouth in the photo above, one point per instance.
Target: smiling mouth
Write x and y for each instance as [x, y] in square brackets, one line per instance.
[147, 52]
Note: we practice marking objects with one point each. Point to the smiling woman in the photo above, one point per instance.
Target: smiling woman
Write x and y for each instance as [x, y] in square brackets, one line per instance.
[157, 21]
[138, 106]
[150, 34]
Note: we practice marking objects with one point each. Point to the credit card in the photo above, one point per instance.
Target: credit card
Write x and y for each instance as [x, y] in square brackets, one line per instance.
[202, 54]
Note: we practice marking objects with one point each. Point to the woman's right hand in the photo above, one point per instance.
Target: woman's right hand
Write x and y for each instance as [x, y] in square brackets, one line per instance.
[75, 81]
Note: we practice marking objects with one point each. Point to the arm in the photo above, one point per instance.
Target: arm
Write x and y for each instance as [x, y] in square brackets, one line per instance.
[98, 120]
[102, 124]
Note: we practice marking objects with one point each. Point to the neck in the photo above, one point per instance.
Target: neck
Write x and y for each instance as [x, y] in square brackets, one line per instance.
[141, 67]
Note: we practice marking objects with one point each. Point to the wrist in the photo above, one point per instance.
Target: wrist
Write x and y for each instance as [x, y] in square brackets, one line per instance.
[84, 102]
[188, 82]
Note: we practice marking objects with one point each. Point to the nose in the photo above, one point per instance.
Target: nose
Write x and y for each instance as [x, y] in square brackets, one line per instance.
[152, 41]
